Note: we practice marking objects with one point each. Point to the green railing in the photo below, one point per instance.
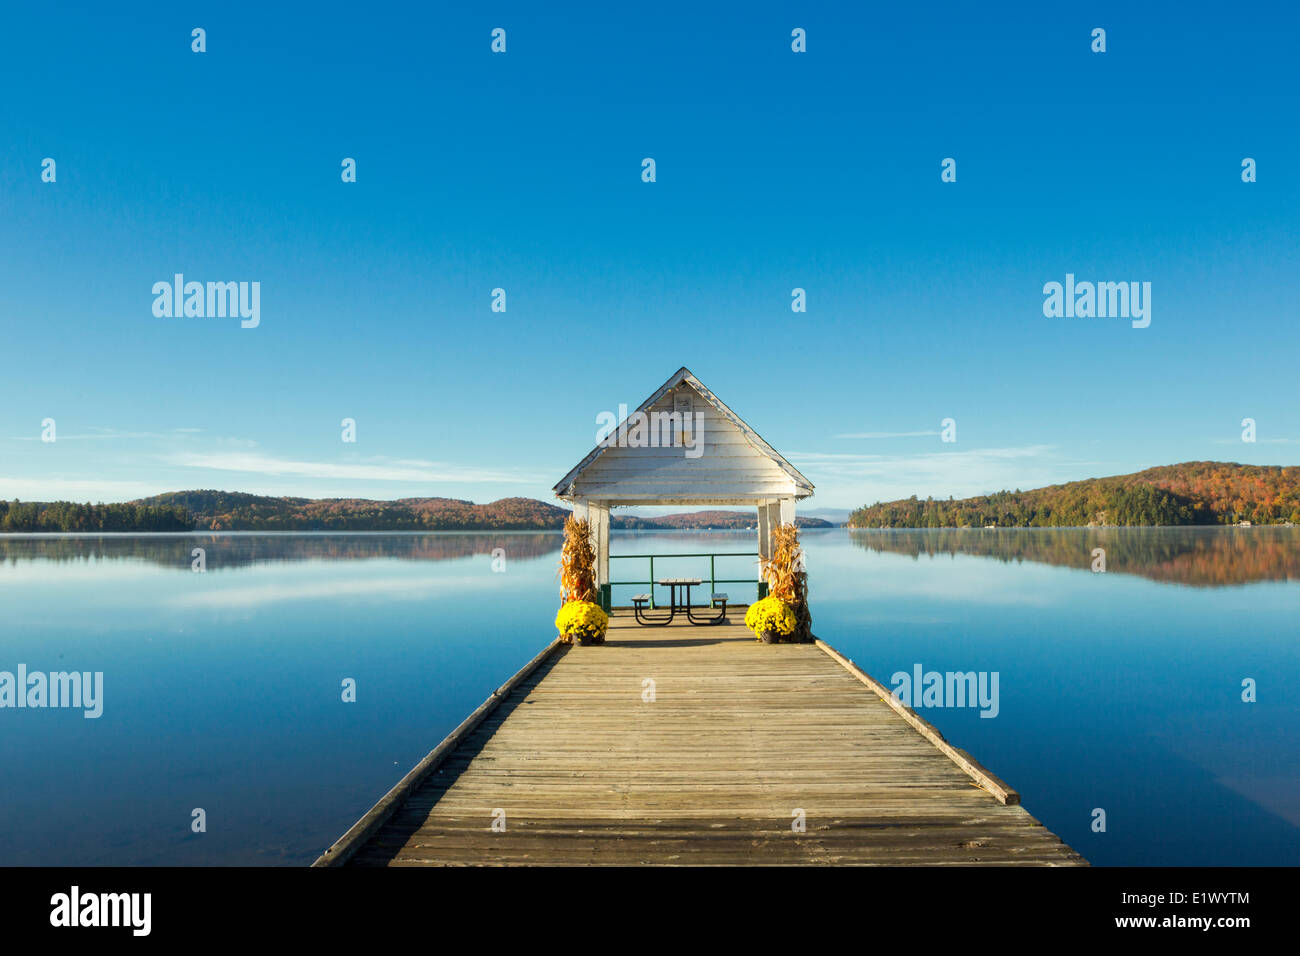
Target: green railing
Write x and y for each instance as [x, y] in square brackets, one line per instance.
[606, 590]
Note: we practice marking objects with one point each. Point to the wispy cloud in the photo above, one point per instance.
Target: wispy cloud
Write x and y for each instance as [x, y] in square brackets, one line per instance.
[373, 469]
[864, 478]
[99, 434]
[1257, 441]
[887, 434]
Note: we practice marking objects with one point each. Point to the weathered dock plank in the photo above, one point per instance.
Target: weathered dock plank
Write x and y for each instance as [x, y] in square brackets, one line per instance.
[738, 738]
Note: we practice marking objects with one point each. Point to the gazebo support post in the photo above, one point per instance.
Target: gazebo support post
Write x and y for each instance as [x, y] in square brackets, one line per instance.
[785, 507]
[767, 513]
[771, 514]
[598, 515]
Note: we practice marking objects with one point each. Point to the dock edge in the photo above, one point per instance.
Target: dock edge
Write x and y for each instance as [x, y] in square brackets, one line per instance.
[961, 758]
[343, 848]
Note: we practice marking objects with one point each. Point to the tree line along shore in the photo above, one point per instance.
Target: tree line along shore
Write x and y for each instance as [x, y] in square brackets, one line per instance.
[235, 511]
[1191, 493]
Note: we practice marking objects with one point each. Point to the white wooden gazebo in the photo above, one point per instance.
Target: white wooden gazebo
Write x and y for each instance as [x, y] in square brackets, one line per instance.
[682, 446]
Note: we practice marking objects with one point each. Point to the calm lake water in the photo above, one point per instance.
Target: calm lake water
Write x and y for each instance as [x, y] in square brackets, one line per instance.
[222, 691]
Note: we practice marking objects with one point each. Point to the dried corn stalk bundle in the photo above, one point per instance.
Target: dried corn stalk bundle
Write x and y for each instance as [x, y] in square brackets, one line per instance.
[577, 562]
[786, 578]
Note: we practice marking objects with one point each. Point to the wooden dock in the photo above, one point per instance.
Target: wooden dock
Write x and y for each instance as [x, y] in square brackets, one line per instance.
[569, 763]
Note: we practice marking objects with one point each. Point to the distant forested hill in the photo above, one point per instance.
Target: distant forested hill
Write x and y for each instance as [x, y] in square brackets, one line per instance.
[1198, 492]
[235, 511]
[709, 521]
[1195, 492]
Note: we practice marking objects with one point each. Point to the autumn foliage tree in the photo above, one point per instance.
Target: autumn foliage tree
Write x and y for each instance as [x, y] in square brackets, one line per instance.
[1195, 492]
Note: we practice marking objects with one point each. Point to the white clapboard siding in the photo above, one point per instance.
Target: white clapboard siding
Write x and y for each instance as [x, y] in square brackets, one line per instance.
[733, 463]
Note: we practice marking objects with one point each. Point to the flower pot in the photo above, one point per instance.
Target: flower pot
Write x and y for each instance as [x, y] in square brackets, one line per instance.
[587, 640]
[769, 637]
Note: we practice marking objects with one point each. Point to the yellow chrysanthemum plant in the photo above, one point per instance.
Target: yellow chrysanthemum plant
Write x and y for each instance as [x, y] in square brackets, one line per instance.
[771, 620]
[582, 622]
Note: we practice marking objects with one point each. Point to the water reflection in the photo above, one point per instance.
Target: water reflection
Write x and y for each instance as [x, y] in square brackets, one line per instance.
[241, 550]
[1197, 557]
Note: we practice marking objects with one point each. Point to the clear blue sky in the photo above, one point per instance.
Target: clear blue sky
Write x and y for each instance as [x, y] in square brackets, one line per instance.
[523, 171]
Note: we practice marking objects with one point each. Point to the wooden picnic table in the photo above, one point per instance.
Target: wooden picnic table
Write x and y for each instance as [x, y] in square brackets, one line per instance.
[672, 584]
[674, 605]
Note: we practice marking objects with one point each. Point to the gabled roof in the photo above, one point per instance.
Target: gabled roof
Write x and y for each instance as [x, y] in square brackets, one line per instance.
[563, 488]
